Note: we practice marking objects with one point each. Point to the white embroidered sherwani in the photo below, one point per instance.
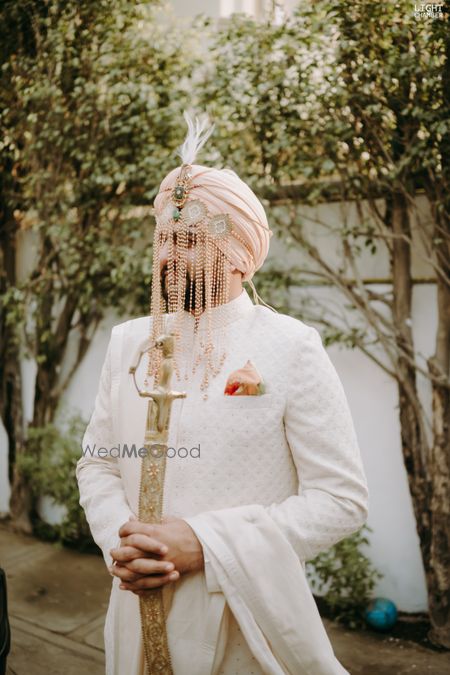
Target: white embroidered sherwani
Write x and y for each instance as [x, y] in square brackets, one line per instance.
[278, 480]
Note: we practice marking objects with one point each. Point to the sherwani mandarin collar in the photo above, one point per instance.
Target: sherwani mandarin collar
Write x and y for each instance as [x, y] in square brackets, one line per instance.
[233, 310]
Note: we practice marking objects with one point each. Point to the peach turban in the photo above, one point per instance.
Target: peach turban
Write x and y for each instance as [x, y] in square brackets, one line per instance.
[222, 191]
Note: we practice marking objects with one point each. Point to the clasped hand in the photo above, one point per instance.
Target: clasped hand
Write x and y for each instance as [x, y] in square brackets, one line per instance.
[150, 556]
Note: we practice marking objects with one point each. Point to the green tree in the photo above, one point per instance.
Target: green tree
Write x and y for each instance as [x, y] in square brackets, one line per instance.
[92, 96]
[350, 104]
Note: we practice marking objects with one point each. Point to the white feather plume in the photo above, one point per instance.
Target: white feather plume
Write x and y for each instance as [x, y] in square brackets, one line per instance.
[199, 130]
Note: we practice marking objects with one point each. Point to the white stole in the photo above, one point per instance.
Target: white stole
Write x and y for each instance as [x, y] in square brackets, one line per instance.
[265, 586]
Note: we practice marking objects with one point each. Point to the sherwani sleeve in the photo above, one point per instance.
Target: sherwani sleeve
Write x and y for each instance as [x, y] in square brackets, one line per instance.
[100, 484]
[332, 499]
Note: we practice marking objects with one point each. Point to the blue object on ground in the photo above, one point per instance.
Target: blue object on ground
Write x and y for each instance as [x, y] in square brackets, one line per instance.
[381, 614]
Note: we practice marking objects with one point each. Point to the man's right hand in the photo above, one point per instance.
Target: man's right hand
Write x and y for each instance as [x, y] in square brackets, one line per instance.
[138, 559]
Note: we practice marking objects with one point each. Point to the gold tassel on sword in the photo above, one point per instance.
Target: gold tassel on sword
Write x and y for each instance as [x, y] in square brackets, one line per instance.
[153, 620]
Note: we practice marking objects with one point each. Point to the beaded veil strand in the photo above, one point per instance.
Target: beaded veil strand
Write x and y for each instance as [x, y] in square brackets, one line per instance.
[208, 223]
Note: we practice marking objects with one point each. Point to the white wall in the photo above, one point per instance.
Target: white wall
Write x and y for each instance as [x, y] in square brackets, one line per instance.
[372, 395]
[190, 8]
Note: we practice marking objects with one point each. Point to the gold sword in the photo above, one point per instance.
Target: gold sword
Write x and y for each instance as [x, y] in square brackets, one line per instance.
[153, 620]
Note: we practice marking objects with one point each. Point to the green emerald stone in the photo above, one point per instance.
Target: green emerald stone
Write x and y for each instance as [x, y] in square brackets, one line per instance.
[176, 214]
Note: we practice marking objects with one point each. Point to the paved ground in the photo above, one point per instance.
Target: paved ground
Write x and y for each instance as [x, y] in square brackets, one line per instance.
[58, 598]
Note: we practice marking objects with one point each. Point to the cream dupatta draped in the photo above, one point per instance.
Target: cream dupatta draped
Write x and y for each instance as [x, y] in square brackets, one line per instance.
[259, 576]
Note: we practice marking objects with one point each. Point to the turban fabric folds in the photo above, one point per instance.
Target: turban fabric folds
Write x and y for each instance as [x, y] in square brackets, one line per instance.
[224, 192]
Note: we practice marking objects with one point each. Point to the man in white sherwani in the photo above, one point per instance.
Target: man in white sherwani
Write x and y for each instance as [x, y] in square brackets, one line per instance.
[263, 470]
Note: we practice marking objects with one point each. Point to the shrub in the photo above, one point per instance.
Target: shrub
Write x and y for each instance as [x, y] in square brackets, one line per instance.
[50, 468]
[345, 579]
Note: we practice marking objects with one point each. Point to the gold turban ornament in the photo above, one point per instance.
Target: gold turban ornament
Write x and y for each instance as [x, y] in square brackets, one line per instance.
[209, 223]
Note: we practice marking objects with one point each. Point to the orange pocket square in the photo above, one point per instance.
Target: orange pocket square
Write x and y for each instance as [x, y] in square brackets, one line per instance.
[245, 381]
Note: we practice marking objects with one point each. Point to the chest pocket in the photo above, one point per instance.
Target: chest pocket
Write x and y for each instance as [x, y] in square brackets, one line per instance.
[230, 428]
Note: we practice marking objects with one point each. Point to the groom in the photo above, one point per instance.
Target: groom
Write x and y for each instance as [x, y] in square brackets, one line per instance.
[279, 478]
